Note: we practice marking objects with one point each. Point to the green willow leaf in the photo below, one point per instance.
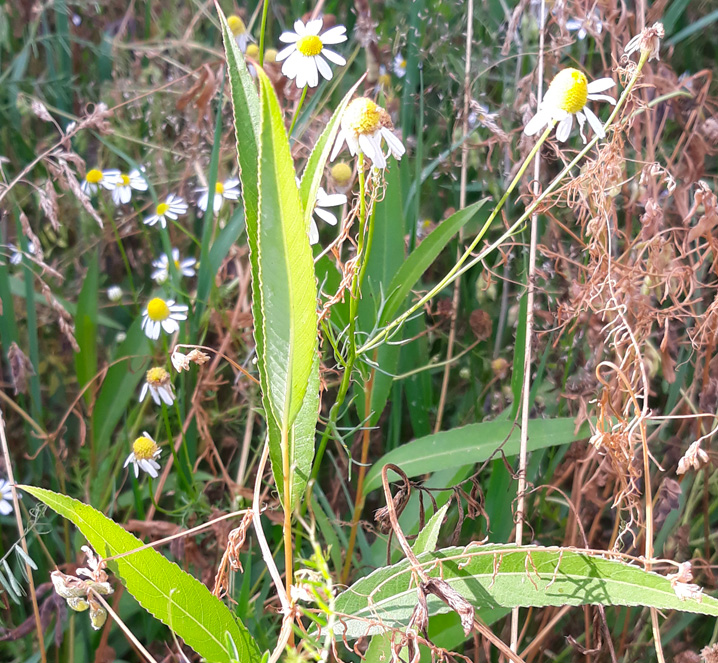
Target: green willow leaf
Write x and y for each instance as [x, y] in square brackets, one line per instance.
[287, 285]
[507, 576]
[422, 257]
[159, 586]
[86, 328]
[471, 444]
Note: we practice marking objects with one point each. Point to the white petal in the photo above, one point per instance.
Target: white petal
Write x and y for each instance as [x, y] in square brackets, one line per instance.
[129, 459]
[313, 232]
[581, 121]
[324, 69]
[151, 220]
[602, 97]
[116, 197]
[325, 216]
[143, 393]
[333, 57]
[537, 122]
[5, 507]
[170, 325]
[331, 200]
[165, 395]
[594, 122]
[600, 85]
[286, 52]
[202, 201]
[311, 72]
[299, 27]
[337, 145]
[395, 145]
[125, 194]
[314, 27]
[335, 35]
[292, 65]
[288, 37]
[563, 130]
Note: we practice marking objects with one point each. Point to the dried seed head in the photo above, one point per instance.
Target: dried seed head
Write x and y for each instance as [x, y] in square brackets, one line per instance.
[480, 323]
[710, 654]
[694, 458]
[648, 42]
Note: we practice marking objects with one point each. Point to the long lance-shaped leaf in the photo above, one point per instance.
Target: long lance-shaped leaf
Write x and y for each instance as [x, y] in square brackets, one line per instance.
[285, 274]
[314, 170]
[508, 576]
[159, 586]
[474, 443]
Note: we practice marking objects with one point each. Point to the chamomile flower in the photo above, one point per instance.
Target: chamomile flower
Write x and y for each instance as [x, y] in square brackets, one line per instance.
[325, 201]
[364, 124]
[240, 32]
[162, 314]
[94, 179]
[171, 208]
[122, 186]
[16, 254]
[144, 454]
[5, 498]
[581, 26]
[341, 173]
[159, 385]
[399, 65]
[161, 265]
[228, 190]
[304, 57]
[567, 96]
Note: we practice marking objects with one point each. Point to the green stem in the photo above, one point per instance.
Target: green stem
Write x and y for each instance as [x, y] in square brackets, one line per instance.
[183, 477]
[125, 260]
[296, 112]
[460, 267]
[265, 7]
[362, 258]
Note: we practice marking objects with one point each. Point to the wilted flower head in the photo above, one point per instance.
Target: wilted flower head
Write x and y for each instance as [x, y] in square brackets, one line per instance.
[694, 458]
[182, 361]
[364, 124]
[567, 96]
[159, 385]
[648, 42]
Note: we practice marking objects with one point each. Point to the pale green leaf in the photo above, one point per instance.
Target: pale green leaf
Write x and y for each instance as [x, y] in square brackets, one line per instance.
[507, 576]
[160, 586]
[471, 444]
[427, 538]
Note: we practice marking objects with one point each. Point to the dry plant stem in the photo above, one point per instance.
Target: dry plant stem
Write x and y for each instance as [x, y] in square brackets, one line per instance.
[23, 542]
[124, 628]
[416, 564]
[460, 267]
[462, 204]
[526, 387]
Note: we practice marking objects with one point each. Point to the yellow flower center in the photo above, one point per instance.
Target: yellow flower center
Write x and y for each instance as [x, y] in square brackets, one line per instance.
[219, 188]
[94, 176]
[569, 90]
[363, 116]
[402, 64]
[162, 209]
[144, 448]
[385, 80]
[157, 376]
[125, 179]
[157, 310]
[236, 25]
[253, 51]
[341, 172]
[270, 55]
[310, 45]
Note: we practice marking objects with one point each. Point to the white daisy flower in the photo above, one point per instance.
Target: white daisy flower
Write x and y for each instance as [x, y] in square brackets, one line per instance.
[114, 293]
[304, 61]
[228, 190]
[16, 254]
[159, 385]
[581, 26]
[399, 65]
[184, 267]
[567, 96]
[122, 187]
[6, 507]
[324, 202]
[161, 314]
[364, 124]
[94, 179]
[240, 32]
[173, 207]
[144, 453]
